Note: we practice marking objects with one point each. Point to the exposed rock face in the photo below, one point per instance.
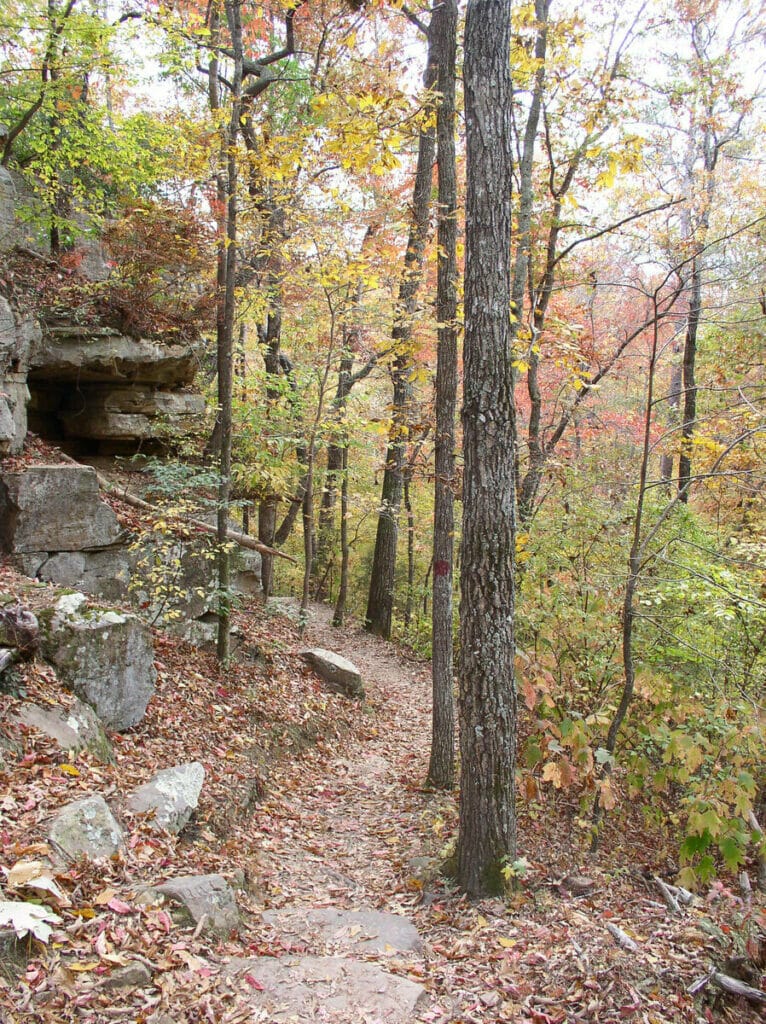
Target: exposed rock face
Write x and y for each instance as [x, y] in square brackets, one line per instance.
[102, 386]
[7, 210]
[76, 729]
[87, 828]
[104, 574]
[208, 896]
[54, 508]
[367, 931]
[105, 656]
[339, 674]
[17, 334]
[310, 988]
[104, 356]
[172, 794]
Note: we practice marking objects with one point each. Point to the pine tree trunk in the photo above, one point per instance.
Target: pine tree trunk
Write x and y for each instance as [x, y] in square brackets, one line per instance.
[487, 706]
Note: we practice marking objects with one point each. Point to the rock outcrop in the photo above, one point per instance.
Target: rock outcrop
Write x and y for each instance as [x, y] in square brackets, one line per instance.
[53, 509]
[104, 656]
[100, 386]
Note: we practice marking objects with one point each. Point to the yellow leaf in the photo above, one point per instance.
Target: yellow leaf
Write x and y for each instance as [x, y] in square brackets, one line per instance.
[69, 769]
[482, 922]
[88, 965]
[506, 943]
[552, 773]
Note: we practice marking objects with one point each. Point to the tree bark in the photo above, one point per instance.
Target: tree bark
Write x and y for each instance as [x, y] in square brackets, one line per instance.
[380, 600]
[441, 766]
[487, 704]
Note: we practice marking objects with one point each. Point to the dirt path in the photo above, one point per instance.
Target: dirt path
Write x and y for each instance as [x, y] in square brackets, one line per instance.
[351, 832]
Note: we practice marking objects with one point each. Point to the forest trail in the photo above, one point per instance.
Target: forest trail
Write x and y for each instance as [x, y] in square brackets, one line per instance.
[350, 833]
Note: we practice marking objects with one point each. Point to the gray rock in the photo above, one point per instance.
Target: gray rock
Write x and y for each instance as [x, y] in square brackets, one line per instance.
[7, 211]
[339, 674]
[135, 975]
[308, 988]
[76, 729]
[86, 355]
[104, 574]
[105, 656]
[172, 794]
[86, 828]
[208, 896]
[367, 931]
[54, 508]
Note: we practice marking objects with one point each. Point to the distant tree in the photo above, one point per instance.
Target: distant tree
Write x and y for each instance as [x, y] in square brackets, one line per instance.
[487, 700]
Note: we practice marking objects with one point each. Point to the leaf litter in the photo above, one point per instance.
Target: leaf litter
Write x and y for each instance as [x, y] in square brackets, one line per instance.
[311, 799]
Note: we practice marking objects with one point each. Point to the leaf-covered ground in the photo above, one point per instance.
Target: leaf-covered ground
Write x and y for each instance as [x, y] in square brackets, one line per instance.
[314, 799]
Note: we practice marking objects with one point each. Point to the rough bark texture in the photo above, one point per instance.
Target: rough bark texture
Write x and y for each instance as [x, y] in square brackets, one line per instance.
[487, 829]
[441, 767]
[380, 600]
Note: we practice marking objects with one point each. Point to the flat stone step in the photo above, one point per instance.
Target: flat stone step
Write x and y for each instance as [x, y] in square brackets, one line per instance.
[347, 931]
[309, 988]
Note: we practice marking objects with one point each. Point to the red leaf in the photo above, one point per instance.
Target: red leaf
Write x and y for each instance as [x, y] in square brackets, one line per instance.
[254, 983]
[119, 906]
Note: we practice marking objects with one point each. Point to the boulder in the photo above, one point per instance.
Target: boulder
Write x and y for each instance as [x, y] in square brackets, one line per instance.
[118, 414]
[54, 508]
[172, 794]
[198, 896]
[355, 931]
[310, 988]
[86, 828]
[339, 674]
[104, 656]
[77, 729]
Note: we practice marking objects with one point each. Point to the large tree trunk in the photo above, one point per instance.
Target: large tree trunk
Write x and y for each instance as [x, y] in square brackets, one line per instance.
[270, 338]
[380, 600]
[487, 827]
[441, 766]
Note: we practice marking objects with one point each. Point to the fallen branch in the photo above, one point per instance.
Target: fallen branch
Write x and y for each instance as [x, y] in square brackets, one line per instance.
[667, 895]
[621, 937]
[733, 986]
[241, 539]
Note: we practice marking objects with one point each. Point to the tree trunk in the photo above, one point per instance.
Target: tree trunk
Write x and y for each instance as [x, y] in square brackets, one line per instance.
[487, 706]
[226, 341]
[674, 401]
[689, 381]
[441, 765]
[270, 338]
[340, 605]
[380, 600]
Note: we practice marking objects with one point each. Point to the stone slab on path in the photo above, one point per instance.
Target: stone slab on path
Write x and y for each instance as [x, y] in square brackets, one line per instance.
[308, 988]
[352, 931]
[339, 674]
